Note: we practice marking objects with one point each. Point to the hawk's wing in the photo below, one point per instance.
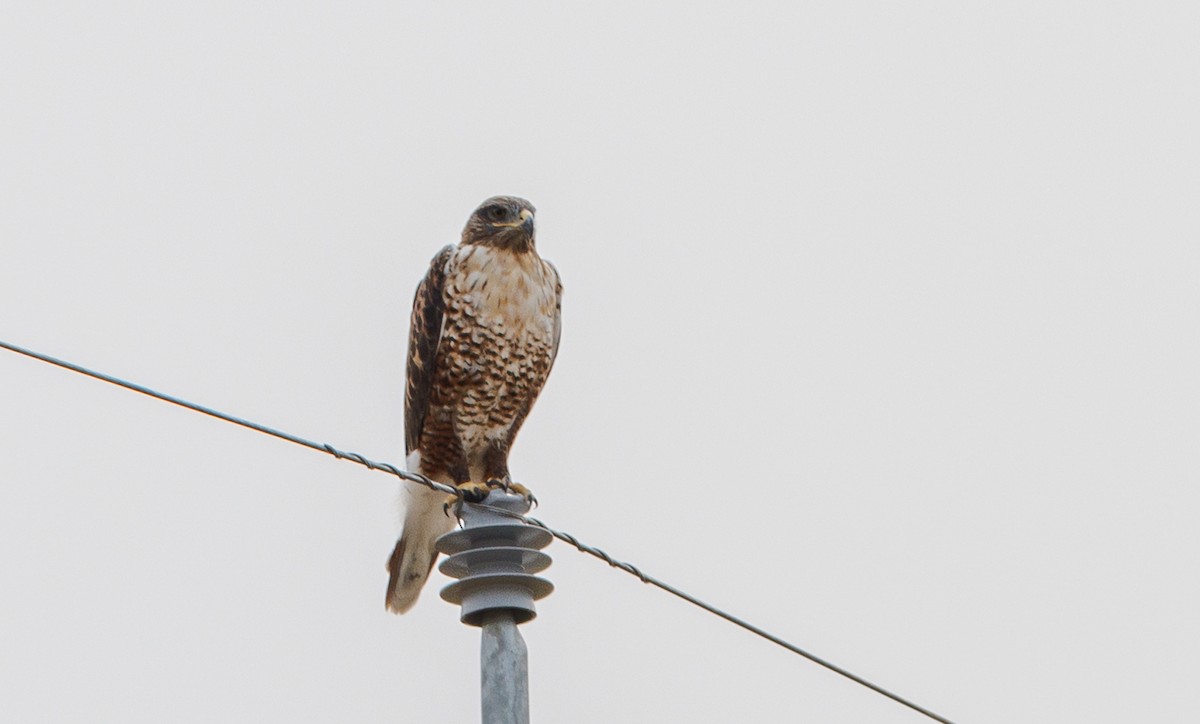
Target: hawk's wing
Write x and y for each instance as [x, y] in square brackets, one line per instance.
[557, 316]
[424, 333]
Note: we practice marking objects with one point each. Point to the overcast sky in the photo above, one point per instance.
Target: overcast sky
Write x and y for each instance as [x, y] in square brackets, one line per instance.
[880, 330]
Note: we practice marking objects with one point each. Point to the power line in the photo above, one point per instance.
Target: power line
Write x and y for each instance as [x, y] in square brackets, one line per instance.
[433, 484]
[322, 447]
[633, 570]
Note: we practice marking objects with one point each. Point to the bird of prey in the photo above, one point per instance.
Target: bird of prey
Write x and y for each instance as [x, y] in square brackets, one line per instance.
[485, 327]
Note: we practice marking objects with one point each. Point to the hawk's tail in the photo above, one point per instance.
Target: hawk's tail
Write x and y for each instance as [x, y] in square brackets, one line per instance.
[412, 560]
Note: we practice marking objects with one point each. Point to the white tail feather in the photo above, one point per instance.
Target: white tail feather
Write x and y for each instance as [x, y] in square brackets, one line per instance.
[413, 557]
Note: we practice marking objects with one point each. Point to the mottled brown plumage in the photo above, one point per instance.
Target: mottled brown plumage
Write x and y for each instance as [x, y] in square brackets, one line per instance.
[485, 328]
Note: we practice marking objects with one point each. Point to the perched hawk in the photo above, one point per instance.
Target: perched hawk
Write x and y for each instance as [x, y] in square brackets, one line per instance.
[484, 333]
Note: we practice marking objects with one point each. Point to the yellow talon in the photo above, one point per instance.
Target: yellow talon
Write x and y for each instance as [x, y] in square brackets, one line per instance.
[473, 492]
[522, 491]
[515, 488]
[469, 492]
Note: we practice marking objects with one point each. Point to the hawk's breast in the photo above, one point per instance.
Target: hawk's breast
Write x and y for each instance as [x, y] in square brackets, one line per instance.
[498, 336]
[513, 289]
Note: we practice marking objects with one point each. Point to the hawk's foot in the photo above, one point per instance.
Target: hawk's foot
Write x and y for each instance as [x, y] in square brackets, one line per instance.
[469, 492]
[474, 492]
[510, 487]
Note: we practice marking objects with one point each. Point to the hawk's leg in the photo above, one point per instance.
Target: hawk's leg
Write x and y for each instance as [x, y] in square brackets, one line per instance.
[495, 464]
[460, 472]
[495, 471]
[496, 468]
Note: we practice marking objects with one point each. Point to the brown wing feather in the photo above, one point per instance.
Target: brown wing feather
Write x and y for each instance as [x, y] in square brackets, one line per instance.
[424, 333]
[557, 317]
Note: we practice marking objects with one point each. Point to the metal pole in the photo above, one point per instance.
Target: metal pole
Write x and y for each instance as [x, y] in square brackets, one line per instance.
[494, 557]
[505, 673]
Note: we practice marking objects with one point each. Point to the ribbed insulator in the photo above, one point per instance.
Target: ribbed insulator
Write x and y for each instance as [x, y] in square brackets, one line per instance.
[494, 557]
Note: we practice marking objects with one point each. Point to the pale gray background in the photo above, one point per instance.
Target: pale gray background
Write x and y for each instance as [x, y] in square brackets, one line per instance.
[880, 330]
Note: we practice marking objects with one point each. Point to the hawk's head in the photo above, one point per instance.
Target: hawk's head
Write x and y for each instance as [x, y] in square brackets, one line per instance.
[502, 221]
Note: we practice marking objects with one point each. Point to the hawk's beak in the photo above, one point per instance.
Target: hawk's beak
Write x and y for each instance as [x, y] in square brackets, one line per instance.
[527, 221]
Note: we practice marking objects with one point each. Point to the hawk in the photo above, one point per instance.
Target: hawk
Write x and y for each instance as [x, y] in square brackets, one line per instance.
[484, 332]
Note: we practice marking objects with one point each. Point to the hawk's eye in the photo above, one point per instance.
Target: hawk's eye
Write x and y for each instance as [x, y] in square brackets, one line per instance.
[496, 213]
